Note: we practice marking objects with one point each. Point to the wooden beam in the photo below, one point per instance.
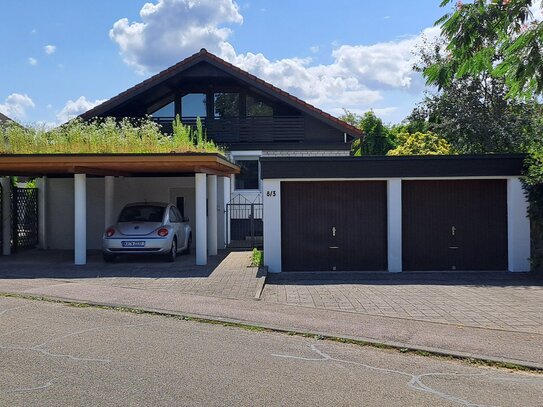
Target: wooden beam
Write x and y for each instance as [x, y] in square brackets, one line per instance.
[98, 171]
[210, 171]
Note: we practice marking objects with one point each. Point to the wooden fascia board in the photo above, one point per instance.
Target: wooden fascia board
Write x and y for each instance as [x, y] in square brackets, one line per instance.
[115, 165]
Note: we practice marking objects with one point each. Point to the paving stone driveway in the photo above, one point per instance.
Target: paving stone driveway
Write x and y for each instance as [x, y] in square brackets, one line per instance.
[227, 275]
[491, 300]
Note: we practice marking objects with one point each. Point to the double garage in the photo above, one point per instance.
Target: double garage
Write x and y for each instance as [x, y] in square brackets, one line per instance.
[395, 214]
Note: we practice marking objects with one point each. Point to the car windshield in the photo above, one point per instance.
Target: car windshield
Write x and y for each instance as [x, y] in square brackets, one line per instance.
[142, 213]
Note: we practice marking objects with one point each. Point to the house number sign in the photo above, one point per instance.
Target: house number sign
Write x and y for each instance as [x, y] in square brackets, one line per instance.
[271, 193]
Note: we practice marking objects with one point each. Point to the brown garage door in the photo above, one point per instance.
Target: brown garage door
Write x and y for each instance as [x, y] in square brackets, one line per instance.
[333, 226]
[455, 225]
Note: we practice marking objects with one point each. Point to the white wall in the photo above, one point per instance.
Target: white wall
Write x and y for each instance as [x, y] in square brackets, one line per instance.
[518, 227]
[272, 225]
[60, 208]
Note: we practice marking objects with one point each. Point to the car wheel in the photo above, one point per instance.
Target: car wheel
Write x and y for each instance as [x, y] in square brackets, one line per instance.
[189, 244]
[173, 252]
[109, 258]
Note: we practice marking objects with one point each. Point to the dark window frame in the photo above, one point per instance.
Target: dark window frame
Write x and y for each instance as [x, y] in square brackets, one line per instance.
[238, 178]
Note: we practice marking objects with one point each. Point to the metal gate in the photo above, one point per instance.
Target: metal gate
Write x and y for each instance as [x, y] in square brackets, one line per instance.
[245, 227]
[24, 218]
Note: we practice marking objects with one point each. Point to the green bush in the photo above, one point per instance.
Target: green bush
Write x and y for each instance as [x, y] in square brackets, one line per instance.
[257, 258]
[105, 136]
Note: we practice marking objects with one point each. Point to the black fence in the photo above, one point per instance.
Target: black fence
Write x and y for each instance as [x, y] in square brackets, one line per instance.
[245, 224]
[246, 129]
[24, 218]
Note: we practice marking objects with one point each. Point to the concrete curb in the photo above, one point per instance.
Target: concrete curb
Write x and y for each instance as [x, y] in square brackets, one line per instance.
[262, 274]
[282, 329]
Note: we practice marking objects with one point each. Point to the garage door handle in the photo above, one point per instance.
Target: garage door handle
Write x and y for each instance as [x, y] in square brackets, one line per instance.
[453, 247]
[333, 247]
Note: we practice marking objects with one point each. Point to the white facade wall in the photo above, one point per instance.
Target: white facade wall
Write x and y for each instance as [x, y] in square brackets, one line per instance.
[60, 208]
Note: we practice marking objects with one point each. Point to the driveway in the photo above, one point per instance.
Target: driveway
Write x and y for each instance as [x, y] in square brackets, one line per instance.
[496, 300]
[227, 275]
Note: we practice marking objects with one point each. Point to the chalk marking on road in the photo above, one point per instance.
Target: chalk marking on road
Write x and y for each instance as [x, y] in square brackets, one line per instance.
[415, 381]
[28, 389]
[57, 355]
[54, 339]
[39, 349]
[13, 309]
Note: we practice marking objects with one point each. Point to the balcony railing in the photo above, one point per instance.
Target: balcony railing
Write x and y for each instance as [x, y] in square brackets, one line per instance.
[245, 130]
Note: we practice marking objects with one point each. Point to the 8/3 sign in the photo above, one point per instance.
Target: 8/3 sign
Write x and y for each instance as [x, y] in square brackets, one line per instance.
[271, 193]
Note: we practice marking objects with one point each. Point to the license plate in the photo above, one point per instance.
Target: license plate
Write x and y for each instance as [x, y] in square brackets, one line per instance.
[133, 244]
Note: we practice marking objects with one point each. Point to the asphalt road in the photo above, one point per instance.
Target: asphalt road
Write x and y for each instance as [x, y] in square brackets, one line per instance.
[56, 355]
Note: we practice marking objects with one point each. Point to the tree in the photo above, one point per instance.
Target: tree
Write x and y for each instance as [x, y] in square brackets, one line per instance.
[421, 144]
[377, 139]
[498, 37]
[473, 112]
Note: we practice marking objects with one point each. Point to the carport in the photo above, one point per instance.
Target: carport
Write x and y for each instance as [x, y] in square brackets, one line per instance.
[63, 182]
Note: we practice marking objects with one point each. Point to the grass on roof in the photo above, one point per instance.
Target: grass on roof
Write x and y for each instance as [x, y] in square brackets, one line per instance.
[106, 136]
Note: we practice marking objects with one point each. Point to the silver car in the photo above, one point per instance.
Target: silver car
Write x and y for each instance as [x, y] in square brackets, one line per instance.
[148, 228]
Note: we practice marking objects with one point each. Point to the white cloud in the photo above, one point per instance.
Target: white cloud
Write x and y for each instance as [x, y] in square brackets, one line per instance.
[74, 108]
[16, 105]
[50, 49]
[32, 61]
[172, 29]
[388, 63]
[314, 49]
[356, 78]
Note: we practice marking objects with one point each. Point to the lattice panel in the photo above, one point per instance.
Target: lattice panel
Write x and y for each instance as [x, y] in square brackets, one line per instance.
[24, 217]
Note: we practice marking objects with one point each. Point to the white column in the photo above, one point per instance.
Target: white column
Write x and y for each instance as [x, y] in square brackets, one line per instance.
[272, 224]
[41, 183]
[80, 218]
[109, 186]
[394, 228]
[518, 227]
[220, 213]
[212, 215]
[6, 215]
[201, 219]
[227, 198]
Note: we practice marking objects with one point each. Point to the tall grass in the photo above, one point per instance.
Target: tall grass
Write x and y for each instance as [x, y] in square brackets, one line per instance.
[105, 136]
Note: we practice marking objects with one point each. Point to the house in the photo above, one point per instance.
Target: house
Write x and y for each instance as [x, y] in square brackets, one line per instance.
[4, 119]
[289, 177]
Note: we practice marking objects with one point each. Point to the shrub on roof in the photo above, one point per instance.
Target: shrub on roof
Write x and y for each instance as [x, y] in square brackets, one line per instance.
[105, 136]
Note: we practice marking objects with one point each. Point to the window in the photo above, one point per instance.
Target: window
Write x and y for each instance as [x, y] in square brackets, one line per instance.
[194, 105]
[173, 216]
[165, 111]
[180, 203]
[248, 177]
[226, 105]
[141, 213]
[256, 107]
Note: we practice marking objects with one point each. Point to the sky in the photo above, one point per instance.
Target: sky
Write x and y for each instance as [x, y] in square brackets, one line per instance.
[60, 58]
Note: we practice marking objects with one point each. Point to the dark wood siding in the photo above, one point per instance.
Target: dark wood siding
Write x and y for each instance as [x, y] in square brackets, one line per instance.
[333, 226]
[455, 225]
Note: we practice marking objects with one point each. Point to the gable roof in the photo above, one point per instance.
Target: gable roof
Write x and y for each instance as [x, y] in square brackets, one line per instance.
[205, 56]
[4, 118]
